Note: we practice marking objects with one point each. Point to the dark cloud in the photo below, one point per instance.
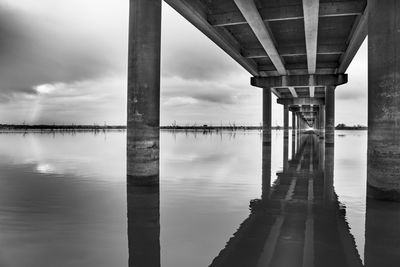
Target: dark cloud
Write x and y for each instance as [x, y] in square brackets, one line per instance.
[191, 62]
[205, 92]
[37, 50]
[189, 54]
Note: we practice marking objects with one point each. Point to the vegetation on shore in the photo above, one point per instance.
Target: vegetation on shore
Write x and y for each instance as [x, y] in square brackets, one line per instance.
[342, 126]
[96, 127]
[59, 128]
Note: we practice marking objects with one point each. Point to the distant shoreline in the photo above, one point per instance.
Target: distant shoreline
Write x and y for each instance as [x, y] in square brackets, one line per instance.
[58, 128]
[47, 127]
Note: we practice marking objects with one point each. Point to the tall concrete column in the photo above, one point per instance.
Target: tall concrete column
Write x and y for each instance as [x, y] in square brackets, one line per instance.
[267, 115]
[285, 121]
[144, 91]
[384, 100]
[330, 115]
[293, 123]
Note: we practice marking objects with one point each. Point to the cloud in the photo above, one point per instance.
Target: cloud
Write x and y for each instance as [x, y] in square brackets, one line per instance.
[38, 47]
[188, 54]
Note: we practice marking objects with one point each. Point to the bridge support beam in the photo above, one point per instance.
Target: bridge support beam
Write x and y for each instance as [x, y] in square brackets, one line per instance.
[384, 100]
[285, 122]
[267, 116]
[143, 92]
[330, 115]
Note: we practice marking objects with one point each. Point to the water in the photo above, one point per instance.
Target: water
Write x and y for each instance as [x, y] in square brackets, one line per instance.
[224, 201]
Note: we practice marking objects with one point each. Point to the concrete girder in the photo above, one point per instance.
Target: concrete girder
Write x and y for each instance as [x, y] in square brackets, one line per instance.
[293, 12]
[300, 101]
[312, 91]
[311, 10]
[250, 12]
[300, 80]
[359, 33]
[319, 71]
[297, 66]
[276, 93]
[293, 91]
[290, 51]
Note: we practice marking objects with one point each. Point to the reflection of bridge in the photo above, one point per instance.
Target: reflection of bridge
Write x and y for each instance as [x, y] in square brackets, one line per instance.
[298, 221]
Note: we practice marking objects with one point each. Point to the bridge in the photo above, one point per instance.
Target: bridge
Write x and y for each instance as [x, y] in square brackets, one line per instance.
[298, 50]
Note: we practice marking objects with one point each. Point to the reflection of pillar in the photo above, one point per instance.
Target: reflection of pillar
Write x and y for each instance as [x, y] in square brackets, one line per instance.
[322, 121]
[285, 121]
[293, 123]
[330, 115]
[266, 115]
[321, 164]
[143, 225]
[266, 170]
[285, 153]
[293, 147]
[298, 142]
[144, 91]
[382, 234]
[383, 100]
[329, 172]
[298, 121]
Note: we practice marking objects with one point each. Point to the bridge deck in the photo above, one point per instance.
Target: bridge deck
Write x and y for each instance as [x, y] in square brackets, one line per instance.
[285, 37]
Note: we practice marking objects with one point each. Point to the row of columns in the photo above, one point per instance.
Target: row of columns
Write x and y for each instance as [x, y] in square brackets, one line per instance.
[324, 121]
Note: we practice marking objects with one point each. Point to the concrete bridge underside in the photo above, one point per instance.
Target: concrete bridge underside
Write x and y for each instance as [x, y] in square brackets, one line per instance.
[298, 50]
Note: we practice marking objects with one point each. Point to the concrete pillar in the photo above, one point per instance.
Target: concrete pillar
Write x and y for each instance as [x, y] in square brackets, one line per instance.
[143, 225]
[330, 115]
[384, 100]
[285, 121]
[144, 91]
[293, 123]
[267, 115]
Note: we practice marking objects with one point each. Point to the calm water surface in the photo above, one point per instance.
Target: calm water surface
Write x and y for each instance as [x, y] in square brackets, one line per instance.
[224, 201]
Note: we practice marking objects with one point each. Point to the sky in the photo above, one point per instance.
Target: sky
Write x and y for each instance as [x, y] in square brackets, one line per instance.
[65, 62]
